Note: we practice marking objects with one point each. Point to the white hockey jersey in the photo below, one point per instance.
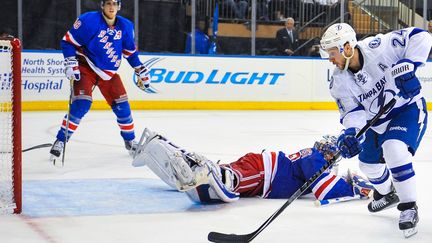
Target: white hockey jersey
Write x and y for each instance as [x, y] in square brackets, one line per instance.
[360, 95]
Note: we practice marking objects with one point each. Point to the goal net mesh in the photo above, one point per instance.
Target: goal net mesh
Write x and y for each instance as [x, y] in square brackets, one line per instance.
[7, 200]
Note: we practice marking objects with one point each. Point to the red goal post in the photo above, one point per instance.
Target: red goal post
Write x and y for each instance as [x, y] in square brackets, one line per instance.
[10, 126]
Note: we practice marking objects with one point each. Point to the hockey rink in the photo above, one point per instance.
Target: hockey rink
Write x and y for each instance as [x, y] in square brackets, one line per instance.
[99, 197]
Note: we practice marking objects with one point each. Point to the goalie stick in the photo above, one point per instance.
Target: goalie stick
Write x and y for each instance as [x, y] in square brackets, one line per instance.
[227, 238]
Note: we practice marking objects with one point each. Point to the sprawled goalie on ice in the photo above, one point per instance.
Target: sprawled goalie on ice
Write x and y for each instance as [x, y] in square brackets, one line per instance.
[266, 174]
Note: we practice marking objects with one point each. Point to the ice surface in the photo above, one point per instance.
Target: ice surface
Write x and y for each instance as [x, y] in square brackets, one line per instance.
[99, 197]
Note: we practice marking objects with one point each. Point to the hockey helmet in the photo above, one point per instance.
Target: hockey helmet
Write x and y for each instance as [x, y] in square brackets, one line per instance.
[328, 147]
[116, 1]
[337, 35]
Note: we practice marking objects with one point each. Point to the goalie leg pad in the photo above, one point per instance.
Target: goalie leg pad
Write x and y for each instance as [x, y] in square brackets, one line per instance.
[182, 170]
[206, 193]
[165, 160]
[203, 194]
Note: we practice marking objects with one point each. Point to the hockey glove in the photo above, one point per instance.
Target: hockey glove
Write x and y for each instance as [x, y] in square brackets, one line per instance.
[348, 144]
[72, 71]
[143, 81]
[361, 186]
[403, 73]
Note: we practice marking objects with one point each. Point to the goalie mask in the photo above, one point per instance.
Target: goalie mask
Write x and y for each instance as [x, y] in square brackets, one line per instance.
[115, 1]
[328, 147]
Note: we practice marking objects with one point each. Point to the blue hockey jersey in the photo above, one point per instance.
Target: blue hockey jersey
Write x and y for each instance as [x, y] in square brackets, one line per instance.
[286, 174]
[100, 44]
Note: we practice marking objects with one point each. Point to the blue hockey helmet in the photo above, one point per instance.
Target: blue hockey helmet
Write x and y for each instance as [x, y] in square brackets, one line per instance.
[116, 1]
[328, 147]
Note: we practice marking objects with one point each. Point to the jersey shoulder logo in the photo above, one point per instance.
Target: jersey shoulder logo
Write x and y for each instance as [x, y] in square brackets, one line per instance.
[294, 157]
[305, 152]
[375, 43]
[300, 154]
[77, 24]
[361, 78]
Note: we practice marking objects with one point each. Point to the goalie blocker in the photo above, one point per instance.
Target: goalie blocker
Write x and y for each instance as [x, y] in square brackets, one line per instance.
[267, 175]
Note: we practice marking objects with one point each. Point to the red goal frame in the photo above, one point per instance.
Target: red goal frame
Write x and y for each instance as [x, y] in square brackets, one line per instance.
[16, 121]
[16, 111]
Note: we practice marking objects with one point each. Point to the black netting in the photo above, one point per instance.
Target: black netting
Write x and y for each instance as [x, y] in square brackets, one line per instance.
[45, 22]
[164, 31]
[8, 18]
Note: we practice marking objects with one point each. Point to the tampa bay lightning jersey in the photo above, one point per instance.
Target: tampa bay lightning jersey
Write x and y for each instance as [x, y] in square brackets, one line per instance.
[360, 95]
[288, 173]
[100, 44]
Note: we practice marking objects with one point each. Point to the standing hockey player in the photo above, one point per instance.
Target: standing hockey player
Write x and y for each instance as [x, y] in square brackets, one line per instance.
[369, 74]
[93, 50]
[267, 175]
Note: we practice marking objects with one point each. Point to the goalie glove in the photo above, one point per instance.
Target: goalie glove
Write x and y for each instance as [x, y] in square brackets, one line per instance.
[361, 186]
[143, 80]
[71, 68]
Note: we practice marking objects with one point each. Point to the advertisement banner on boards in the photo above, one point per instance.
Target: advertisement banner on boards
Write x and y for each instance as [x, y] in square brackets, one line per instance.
[201, 78]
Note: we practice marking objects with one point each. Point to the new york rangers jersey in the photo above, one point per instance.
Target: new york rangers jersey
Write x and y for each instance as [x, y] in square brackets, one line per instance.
[360, 95]
[100, 44]
[283, 175]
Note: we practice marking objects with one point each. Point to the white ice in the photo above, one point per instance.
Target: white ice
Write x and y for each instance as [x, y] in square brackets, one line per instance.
[99, 197]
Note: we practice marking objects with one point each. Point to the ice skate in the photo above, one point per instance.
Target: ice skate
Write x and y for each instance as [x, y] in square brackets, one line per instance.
[131, 146]
[381, 202]
[408, 218]
[56, 150]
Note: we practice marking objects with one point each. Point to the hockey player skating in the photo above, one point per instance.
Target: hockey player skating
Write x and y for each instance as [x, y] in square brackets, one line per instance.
[369, 74]
[267, 174]
[93, 50]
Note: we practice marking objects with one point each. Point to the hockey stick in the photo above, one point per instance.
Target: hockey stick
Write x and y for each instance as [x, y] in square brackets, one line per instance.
[325, 202]
[44, 145]
[67, 121]
[221, 237]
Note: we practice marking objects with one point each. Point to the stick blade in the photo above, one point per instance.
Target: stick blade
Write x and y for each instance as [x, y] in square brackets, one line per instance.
[44, 145]
[228, 238]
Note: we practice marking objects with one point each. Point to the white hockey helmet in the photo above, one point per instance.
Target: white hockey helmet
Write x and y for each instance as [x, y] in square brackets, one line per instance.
[337, 35]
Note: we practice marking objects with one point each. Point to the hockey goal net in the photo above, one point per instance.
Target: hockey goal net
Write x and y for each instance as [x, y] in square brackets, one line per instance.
[10, 125]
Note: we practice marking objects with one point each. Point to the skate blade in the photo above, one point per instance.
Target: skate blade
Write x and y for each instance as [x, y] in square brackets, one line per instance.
[410, 232]
[388, 207]
[56, 161]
